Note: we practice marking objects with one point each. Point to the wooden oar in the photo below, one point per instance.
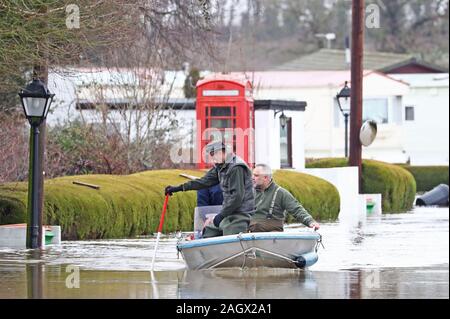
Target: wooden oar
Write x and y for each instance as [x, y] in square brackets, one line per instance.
[191, 177]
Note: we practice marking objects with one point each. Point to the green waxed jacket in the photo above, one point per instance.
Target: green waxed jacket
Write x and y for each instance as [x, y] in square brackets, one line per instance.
[284, 202]
[235, 179]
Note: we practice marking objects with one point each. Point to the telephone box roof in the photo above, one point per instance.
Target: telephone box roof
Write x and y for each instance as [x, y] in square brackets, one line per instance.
[233, 78]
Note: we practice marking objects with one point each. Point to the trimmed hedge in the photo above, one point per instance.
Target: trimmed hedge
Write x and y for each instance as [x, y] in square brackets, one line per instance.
[396, 185]
[127, 206]
[124, 206]
[319, 197]
[428, 177]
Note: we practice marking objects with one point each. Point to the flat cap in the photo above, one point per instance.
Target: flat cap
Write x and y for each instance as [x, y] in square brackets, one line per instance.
[214, 147]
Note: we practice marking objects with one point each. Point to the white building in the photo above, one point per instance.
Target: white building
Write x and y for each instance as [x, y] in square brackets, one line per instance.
[411, 111]
[417, 131]
[324, 123]
[77, 91]
[426, 118]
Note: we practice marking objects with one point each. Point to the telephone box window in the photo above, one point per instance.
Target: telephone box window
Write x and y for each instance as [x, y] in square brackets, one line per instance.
[221, 111]
[222, 123]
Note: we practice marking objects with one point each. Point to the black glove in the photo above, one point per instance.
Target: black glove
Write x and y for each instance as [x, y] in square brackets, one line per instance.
[172, 189]
[217, 219]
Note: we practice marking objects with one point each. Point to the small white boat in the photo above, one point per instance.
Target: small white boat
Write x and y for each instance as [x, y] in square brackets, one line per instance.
[271, 249]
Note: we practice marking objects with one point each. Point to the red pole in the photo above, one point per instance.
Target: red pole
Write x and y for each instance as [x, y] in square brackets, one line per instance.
[358, 15]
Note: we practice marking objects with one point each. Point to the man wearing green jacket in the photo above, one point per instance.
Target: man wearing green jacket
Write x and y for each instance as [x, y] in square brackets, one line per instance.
[272, 201]
[235, 179]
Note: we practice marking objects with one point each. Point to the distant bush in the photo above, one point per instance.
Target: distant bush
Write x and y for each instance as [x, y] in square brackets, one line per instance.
[396, 185]
[428, 177]
[13, 210]
[130, 205]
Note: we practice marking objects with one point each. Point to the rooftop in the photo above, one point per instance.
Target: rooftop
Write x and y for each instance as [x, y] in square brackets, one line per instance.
[424, 80]
[334, 60]
[308, 79]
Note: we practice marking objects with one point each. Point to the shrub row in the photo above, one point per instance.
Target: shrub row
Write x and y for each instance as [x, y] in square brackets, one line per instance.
[396, 185]
[428, 177]
[127, 206]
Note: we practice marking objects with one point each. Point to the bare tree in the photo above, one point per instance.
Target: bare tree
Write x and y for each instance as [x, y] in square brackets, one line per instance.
[142, 121]
[54, 33]
[145, 36]
[13, 147]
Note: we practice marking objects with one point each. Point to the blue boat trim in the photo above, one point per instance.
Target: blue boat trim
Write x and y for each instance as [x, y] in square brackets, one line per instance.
[244, 237]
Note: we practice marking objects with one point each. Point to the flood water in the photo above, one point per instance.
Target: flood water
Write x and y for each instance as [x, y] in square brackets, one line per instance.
[392, 256]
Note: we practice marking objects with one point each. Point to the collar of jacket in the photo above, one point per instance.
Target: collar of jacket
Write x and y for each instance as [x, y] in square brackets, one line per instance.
[270, 186]
[228, 159]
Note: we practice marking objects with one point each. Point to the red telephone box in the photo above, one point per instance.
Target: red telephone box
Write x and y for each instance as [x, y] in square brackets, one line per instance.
[225, 112]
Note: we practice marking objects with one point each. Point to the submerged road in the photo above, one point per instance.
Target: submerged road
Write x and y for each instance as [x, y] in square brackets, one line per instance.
[392, 256]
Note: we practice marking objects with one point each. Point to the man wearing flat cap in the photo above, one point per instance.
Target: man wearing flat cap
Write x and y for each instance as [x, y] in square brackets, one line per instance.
[235, 179]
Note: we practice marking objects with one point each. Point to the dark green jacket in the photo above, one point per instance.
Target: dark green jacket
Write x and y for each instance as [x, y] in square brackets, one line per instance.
[235, 179]
[284, 202]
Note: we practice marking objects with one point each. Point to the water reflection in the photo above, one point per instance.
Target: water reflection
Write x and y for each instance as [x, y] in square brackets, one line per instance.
[51, 282]
[248, 283]
[34, 273]
[357, 234]
[36, 280]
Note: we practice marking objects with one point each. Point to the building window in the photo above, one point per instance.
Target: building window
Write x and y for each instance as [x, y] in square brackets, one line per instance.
[286, 144]
[375, 109]
[409, 113]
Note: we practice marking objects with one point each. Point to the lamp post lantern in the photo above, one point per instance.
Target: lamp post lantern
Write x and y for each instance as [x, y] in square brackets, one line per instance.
[283, 118]
[36, 100]
[343, 99]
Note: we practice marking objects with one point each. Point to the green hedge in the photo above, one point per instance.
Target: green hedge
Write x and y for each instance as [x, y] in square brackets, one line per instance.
[126, 206]
[428, 177]
[396, 185]
[319, 197]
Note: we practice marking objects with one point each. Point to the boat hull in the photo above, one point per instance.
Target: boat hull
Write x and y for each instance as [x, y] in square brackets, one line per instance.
[274, 249]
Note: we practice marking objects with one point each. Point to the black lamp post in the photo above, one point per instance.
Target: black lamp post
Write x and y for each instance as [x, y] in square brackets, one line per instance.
[36, 100]
[343, 99]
